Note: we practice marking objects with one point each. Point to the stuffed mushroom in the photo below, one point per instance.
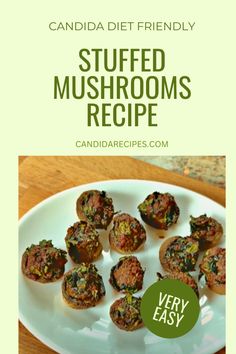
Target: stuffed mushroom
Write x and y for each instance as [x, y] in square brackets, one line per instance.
[212, 267]
[82, 242]
[206, 230]
[43, 262]
[179, 254]
[182, 276]
[127, 234]
[159, 210]
[127, 275]
[82, 286]
[96, 208]
[125, 313]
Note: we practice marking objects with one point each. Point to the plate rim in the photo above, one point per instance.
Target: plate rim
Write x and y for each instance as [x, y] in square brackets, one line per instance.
[70, 189]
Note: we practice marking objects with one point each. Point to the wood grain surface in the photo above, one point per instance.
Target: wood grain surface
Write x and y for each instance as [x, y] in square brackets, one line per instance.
[43, 176]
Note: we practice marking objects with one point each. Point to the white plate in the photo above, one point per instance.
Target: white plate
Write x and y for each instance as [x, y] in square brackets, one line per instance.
[70, 331]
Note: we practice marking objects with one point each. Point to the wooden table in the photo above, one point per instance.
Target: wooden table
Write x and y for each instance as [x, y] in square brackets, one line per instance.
[41, 177]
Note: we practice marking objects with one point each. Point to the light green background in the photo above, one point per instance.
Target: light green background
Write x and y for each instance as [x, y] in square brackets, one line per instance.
[53, 126]
[35, 124]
